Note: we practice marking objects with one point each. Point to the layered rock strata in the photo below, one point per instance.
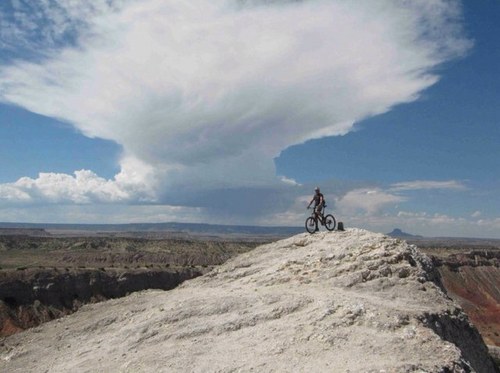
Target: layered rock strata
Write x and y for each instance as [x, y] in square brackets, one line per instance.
[473, 280]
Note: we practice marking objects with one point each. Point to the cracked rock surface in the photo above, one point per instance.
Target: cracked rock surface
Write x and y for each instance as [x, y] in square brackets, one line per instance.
[351, 301]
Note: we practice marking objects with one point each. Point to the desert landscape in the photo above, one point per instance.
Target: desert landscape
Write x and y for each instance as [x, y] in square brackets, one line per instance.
[48, 274]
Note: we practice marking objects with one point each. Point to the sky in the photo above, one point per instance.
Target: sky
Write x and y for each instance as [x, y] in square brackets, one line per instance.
[231, 112]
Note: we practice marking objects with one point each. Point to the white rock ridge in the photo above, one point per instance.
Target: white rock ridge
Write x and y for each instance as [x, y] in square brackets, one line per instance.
[351, 301]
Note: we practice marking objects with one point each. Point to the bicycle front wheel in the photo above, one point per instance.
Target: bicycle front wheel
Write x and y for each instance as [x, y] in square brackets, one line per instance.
[311, 224]
[330, 222]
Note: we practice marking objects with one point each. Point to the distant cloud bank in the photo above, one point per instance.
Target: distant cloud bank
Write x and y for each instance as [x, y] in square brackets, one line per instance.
[428, 184]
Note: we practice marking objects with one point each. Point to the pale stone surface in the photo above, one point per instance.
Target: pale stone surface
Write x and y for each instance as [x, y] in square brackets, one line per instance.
[351, 301]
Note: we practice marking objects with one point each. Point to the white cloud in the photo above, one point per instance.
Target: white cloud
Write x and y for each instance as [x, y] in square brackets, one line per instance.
[368, 201]
[427, 185]
[206, 94]
[83, 188]
[423, 223]
[289, 181]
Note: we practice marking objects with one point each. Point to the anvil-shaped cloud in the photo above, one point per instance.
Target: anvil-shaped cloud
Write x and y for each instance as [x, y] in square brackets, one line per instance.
[204, 94]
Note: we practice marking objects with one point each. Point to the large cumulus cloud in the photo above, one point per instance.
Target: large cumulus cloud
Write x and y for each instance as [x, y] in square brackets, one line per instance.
[205, 94]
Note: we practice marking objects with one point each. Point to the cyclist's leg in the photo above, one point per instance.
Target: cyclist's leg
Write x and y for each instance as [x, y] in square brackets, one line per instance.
[315, 217]
[319, 213]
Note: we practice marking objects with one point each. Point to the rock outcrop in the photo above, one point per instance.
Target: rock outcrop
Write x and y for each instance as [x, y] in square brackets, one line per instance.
[350, 301]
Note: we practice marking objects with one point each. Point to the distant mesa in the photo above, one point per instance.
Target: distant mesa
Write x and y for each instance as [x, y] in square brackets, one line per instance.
[186, 228]
[398, 233]
[34, 232]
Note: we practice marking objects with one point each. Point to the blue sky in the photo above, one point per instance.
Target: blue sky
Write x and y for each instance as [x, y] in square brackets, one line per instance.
[30, 144]
[393, 111]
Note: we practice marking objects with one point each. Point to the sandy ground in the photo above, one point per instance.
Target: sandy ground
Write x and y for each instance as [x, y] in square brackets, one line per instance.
[350, 301]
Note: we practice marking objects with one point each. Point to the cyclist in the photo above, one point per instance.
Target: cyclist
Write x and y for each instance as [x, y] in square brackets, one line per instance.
[319, 203]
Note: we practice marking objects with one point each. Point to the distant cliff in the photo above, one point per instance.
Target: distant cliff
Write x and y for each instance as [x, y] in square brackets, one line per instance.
[472, 278]
[329, 302]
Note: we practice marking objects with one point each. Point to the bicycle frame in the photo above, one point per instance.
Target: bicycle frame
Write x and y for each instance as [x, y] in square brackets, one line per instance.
[318, 215]
[326, 220]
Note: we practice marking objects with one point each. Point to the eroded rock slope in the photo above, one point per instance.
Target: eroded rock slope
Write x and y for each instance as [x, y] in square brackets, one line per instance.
[473, 280]
[330, 302]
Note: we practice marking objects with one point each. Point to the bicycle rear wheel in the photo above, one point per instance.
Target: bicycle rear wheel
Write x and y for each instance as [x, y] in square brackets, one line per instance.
[311, 224]
[330, 222]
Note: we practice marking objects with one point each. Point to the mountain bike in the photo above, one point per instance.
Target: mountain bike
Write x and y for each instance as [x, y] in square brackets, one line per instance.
[312, 221]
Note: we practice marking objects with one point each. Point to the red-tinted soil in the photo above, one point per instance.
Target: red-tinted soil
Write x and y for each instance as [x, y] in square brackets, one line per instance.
[477, 289]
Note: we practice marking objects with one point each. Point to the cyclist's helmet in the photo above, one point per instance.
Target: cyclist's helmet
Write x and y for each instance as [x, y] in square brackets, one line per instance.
[316, 189]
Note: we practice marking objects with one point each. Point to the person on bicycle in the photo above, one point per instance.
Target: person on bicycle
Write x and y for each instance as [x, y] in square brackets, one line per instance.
[319, 202]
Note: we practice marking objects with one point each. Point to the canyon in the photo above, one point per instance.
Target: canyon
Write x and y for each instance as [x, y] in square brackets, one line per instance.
[472, 278]
[43, 277]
